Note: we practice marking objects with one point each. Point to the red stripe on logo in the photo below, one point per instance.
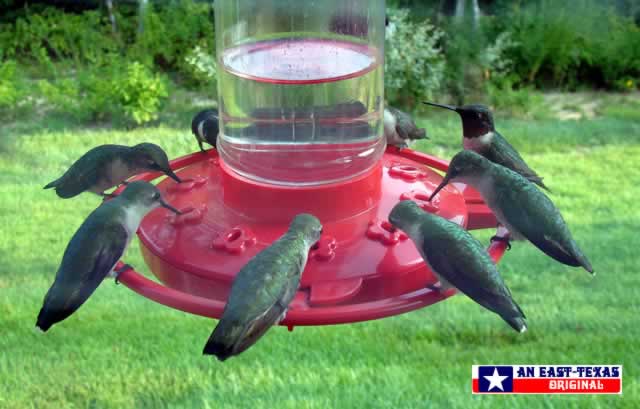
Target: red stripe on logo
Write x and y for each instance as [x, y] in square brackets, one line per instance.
[474, 385]
[566, 385]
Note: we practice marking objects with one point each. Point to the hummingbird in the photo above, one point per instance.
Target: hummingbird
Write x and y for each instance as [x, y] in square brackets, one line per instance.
[95, 248]
[106, 166]
[399, 128]
[524, 210]
[263, 289]
[480, 136]
[205, 126]
[458, 260]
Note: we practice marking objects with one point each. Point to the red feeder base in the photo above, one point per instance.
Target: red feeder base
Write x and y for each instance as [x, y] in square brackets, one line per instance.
[361, 269]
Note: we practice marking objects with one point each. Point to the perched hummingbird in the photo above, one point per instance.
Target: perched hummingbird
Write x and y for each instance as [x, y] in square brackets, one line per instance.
[524, 210]
[106, 166]
[263, 289]
[480, 135]
[95, 248]
[205, 127]
[399, 128]
[458, 260]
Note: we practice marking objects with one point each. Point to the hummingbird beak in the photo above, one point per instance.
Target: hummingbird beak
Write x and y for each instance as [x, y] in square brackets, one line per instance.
[441, 186]
[449, 107]
[172, 175]
[168, 206]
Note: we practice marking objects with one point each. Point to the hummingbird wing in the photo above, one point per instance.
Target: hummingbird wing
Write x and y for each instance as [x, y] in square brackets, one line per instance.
[534, 216]
[460, 259]
[500, 151]
[259, 297]
[86, 171]
[258, 327]
[91, 254]
[406, 128]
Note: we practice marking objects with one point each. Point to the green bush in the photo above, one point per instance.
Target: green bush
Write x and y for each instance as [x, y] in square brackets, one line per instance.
[55, 35]
[8, 93]
[201, 67]
[119, 90]
[463, 46]
[414, 64]
[521, 102]
[565, 44]
[617, 54]
[170, 34]
[140, 93]
[13, 90]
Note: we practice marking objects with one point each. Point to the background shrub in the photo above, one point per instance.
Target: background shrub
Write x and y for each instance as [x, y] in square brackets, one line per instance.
[139, 93]
[201, 67]
[14, 92]
[564, 44]
[127, 91]
[170, 34]
[84, 66]
[414, 64]
[58, 36]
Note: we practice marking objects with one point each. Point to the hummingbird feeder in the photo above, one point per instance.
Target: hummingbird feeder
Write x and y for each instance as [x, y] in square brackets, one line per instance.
[301, 93]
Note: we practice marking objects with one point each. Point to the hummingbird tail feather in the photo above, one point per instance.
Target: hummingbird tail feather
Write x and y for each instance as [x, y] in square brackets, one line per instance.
[221, 343]
[538, 181]
[51, 185]
[542, 185]
[580, 258]
[517, 323]
[586, 264]
[220, 350]
[45, 320]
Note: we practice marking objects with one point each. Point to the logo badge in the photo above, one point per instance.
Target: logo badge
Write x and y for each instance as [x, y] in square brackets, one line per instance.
[546, 379]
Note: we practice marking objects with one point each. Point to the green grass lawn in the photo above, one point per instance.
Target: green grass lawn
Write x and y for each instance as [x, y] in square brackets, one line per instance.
[122, 351]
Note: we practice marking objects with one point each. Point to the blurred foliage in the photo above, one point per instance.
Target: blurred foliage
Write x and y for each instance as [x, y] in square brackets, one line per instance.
[569, 44]
[81, 67]
[51, 35]
[119, 90]
[79, 59]
[55, 35]
[414, 64]
[202, 67]
[14, 93]
[171, 32]
[140, 93]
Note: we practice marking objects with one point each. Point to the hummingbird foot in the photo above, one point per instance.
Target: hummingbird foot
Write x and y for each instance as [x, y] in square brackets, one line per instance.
[116, 273]
[502, 239]
[124, 182]
[201, 147]
[108, 195]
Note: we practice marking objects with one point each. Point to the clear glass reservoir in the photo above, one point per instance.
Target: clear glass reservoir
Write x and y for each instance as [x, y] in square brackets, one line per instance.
[300, 88]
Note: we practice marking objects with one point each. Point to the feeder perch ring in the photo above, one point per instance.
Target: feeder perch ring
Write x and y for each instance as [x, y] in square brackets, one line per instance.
[361, 269]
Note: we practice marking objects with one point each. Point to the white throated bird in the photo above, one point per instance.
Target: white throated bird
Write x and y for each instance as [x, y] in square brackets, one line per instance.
[518, 205]
[205, 126]
[480, 135]
[95, 248]
[458, 260]
[106, 166]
